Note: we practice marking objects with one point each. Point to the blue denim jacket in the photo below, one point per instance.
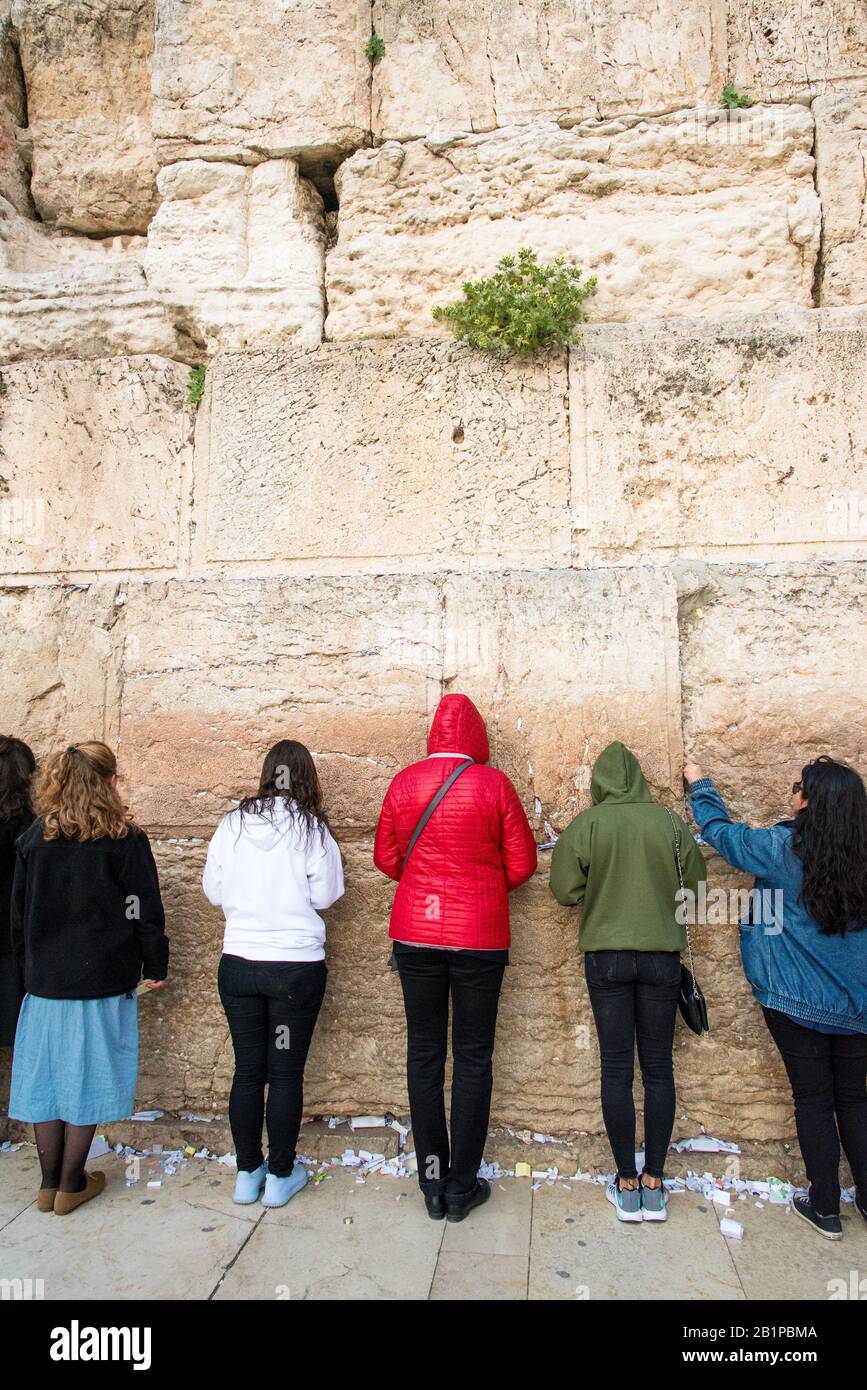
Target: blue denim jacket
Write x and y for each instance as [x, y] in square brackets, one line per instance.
[797, 970]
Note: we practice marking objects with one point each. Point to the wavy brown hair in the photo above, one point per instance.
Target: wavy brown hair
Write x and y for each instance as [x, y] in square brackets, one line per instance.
[830, 839]
[289, 775]
[75, 797]
[17, 765]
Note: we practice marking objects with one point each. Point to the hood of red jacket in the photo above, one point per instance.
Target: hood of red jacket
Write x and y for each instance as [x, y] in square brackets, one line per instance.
[459, 728]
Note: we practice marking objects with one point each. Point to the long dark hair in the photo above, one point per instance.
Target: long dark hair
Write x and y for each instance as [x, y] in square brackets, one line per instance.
[17, 766]
[289, 774]
[830, 839]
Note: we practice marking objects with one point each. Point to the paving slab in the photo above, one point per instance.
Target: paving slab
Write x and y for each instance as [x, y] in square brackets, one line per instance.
[462, 1276]
[780, 1257]
[579, 1250]
[340, 1239]
[130, 1243]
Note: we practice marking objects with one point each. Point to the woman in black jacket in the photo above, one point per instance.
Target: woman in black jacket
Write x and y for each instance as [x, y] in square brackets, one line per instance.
[17, 766]
[87, 920]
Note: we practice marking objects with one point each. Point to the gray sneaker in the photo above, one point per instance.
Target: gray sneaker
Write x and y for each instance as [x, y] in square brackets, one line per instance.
[654, 1204]
[626, 1201]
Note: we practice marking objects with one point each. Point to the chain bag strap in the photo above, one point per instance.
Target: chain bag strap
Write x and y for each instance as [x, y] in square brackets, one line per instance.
[691, 1001]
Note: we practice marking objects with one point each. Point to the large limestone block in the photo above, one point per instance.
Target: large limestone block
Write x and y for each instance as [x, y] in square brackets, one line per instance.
[735, 437]
[60, 674]
[87, 68]
[780, 49]
[281, 77]
[772, 665]
[561, 663]
[473, 66]
[14, 181]
[416, 453]
[217, 671]
[691, 213]
[70, 296]
[841, 177]
[185, 1052]
[237, 253]
[93, 453]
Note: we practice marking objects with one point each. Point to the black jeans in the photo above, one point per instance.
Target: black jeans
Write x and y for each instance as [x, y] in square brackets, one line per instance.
[272, 1008]
[473, 979]
[828, 1073]
[634, 996]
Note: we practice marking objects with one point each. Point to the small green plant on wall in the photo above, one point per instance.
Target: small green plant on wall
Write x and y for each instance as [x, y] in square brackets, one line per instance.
[374, 50]
[196, 385]
[523, 308]
[732, 99]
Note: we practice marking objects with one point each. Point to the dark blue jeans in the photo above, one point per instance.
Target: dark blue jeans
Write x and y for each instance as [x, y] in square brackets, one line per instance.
[472, 979]
[272, 1008]
[634, 998]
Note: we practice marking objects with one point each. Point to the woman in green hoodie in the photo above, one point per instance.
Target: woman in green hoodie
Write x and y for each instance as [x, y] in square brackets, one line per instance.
[618, 859]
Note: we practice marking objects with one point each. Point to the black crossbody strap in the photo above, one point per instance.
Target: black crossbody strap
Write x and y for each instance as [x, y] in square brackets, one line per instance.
[433, 804]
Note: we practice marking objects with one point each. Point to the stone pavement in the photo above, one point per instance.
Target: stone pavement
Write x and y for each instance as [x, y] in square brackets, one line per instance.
[340, 1239]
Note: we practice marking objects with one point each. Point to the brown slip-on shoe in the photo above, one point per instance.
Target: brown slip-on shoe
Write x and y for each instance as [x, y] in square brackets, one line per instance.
[65, 1202]
[45, 1198]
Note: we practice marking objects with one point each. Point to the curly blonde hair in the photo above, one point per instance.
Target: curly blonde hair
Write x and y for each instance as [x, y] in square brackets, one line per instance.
[75, 797]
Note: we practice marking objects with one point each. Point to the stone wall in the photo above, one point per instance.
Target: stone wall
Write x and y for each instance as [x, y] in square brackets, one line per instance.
[659, 536]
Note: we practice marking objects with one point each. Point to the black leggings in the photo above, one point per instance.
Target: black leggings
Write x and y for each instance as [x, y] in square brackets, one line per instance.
[429, 977]
[634, 997]
[828, 1073]
[272, 1008]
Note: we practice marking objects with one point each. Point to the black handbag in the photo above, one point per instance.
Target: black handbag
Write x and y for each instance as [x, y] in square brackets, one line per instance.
[690, 1000]
[422, 822]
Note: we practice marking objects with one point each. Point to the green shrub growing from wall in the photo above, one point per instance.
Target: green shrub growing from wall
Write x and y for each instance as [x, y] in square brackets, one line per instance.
[374, 50]
[732, 99]
[523, 308]
[196, 385]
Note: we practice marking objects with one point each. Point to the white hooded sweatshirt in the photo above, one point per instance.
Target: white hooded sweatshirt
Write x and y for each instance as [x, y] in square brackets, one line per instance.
[269, 877]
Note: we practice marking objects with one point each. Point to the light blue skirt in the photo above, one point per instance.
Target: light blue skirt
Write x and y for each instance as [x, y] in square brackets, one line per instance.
[75, 1060]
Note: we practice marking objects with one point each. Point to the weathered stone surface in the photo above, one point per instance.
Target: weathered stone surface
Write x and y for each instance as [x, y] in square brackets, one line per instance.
[841, 176]
[473, 66]
[87, 69]
[60, 674]
[68, 296]
[282, 77]
[14, 181]
[690, 213]
[731, 437]
[780, 49]
[237, 253]
[217, 670]
[93, 454]
[562, 662]
[772, 663]
[411, 452]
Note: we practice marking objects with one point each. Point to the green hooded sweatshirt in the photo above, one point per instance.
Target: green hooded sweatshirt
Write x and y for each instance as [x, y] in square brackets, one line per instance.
[617, 858]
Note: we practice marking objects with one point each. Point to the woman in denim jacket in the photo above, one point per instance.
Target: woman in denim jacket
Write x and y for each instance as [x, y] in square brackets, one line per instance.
[807, 962]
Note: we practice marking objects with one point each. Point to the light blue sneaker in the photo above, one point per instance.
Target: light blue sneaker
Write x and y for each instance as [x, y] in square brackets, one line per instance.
[249, 1185]
[279, 1190]
[625, 1200]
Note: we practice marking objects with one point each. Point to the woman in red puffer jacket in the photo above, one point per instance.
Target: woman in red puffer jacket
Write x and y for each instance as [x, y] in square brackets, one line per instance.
[450, 926]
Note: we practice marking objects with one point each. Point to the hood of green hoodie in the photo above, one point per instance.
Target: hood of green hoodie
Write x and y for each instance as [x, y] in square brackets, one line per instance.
[617, 776]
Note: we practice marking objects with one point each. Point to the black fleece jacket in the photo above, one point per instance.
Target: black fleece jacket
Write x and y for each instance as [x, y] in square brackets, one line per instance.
[86, 917]
[10, 829]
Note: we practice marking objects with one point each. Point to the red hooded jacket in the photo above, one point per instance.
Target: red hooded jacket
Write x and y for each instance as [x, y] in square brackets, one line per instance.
[474, 850]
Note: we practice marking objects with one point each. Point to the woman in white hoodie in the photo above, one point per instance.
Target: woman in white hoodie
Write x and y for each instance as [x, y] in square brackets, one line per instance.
[271, 864]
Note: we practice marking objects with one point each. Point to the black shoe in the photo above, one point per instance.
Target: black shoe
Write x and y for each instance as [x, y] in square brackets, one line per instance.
[827, 1226]
[862, 1207]
[459, 1205]
[436, 1206]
